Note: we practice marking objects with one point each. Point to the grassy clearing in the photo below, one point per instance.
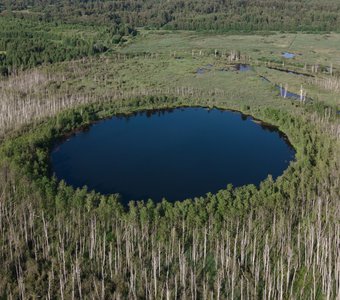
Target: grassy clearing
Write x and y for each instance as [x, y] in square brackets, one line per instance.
[177, 58]
[311, 49]
[315, 48]
[164, 73]
[168, 72]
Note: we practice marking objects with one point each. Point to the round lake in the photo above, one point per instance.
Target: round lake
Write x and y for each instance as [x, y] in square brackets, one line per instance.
[176, 154]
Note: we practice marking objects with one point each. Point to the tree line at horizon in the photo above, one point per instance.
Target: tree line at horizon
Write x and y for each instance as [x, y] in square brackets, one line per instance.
[39, 32]
[217, 15]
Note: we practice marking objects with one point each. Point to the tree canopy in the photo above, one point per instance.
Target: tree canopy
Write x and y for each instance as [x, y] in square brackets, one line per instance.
[223, 15]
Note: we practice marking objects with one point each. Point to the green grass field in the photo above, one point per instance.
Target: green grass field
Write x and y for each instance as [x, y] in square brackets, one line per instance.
[169, 63]
[314, 48]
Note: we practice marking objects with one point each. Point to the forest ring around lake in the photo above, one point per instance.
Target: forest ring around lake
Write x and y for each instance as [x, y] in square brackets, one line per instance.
[29, 153]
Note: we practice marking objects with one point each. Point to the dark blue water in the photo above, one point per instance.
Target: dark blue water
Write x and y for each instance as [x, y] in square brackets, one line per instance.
[176, 154]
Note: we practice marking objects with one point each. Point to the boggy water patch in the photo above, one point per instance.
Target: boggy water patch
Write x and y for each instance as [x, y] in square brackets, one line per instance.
[288, 55]
[200, 71]
[177, 154]
[284, 92]
[204, 69]
[243, 67]
[291, 72]
[237, 67]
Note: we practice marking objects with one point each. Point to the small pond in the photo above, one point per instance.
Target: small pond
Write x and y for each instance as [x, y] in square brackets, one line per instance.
[288, 55]
[177, 154]
[243, 67]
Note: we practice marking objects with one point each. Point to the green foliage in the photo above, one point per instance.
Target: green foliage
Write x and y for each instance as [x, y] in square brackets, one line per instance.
[232, 15]
[28, 43]
[239, 241]
[30, 153]
[60, 241]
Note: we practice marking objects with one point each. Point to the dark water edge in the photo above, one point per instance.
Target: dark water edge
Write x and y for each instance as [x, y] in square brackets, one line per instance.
[291, 72]
[285, 93]
[243, 67]
[75, 173]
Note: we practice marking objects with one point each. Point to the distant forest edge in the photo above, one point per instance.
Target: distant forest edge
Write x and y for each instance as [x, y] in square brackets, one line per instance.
[218, 15]
[28, 43]
[36, 32]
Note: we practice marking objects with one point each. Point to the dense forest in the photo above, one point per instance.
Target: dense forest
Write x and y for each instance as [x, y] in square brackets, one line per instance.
[28, 43]
[279, 241]
[222, 15]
